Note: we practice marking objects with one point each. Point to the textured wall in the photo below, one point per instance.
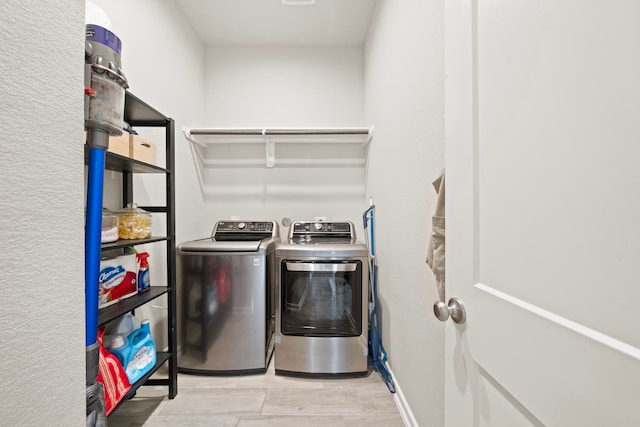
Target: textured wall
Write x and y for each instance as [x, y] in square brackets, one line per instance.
[404, 98]
[41, 226]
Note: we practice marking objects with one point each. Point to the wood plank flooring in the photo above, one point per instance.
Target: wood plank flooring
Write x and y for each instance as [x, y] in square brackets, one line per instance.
[263, 400]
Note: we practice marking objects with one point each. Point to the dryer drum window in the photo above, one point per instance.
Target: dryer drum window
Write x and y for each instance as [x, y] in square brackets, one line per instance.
[321, 298]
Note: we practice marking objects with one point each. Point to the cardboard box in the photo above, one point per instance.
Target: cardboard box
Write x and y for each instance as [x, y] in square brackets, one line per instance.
[143, 150]
[133, 146]
[117, 144]
[120, 144]
[117, 279]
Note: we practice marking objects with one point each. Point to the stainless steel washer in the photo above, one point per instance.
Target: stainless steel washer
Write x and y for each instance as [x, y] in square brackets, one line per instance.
[322, 301]
[225, 289]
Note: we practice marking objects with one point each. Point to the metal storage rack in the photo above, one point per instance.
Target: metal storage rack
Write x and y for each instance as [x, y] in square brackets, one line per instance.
[139, 114]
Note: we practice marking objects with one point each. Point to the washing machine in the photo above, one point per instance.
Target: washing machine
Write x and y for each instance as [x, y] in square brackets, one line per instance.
[226, 299]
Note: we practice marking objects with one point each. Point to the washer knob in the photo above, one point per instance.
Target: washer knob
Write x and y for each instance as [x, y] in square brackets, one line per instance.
[241, 226]
[318, 226]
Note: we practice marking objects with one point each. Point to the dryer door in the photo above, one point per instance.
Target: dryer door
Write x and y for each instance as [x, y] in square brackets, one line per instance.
[321, 298]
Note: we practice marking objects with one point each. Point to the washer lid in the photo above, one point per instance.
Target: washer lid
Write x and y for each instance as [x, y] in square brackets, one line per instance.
[210, 245]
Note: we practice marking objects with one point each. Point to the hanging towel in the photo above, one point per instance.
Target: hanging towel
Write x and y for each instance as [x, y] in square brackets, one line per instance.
[435, 249]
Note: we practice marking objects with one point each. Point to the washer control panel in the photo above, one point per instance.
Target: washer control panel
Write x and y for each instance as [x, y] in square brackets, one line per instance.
[262, 228]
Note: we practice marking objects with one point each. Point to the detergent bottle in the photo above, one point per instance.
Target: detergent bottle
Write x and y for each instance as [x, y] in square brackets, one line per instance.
[144, 281]
[119, 347]
[123, 325]
[136, 352]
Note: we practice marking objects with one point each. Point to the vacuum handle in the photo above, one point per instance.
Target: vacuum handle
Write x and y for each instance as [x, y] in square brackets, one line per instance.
[366, 216]
[136, 336]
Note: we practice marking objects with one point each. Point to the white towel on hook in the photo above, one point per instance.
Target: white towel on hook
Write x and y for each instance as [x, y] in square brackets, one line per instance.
[436, 247]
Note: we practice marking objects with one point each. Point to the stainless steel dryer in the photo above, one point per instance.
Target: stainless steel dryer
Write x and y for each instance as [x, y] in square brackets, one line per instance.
[226, 291]
[322, 301]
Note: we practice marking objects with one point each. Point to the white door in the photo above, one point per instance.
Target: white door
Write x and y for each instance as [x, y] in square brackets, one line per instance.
[543, 212]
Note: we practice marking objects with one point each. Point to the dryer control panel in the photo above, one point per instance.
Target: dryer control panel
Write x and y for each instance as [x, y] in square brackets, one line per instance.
[316, 227]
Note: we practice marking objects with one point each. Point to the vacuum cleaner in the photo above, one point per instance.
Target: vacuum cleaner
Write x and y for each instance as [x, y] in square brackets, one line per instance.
[104, 93]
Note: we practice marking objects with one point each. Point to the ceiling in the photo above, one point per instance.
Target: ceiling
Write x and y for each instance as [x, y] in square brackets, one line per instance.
[279, 22]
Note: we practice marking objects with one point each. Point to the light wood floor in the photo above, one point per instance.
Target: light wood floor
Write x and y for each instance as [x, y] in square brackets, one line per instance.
[262, 401]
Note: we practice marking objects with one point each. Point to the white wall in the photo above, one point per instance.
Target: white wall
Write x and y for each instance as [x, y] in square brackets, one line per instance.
[404, 98]
[279, 86]
[41, 226]
[163, 60]
[284, 86]
[403, 93]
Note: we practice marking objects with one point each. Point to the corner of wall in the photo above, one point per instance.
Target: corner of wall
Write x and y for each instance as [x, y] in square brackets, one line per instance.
[404, 100]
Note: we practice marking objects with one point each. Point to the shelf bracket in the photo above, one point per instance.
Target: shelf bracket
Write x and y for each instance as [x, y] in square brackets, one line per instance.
[270, 151]
[187, 134]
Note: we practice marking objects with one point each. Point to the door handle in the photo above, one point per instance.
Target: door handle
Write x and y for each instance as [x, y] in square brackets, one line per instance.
[328, 267]
[454, 309]
[436, 260]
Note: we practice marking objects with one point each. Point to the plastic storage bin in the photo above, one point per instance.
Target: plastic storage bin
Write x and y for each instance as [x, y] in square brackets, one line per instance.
[110, 223]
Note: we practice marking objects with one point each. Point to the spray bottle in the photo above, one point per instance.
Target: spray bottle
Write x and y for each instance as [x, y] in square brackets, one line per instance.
[144, 281]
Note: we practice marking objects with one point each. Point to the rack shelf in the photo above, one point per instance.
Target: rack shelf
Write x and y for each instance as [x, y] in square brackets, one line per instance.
[123, 243]
[136, 110]
[336, 157]
[161, 359]
[109, 313]
[325, 135]
[139, 113]
[118, 163]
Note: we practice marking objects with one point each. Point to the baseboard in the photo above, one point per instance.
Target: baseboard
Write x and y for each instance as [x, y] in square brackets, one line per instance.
[402, 404]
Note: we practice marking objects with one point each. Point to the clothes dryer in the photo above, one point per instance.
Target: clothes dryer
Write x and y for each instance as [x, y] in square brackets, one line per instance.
[321, 301]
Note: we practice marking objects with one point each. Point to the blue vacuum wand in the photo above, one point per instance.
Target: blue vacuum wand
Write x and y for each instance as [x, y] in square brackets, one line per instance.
[377, 351]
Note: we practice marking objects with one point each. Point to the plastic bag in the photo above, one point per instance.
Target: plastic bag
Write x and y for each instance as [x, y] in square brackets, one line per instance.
[111, 375]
